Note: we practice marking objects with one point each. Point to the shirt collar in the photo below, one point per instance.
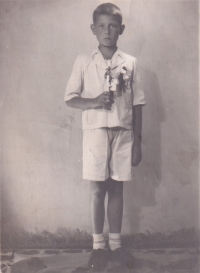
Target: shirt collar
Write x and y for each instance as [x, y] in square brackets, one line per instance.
[98, 58]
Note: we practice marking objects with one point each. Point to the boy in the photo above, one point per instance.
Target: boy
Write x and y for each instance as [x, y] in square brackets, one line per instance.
[106, 86]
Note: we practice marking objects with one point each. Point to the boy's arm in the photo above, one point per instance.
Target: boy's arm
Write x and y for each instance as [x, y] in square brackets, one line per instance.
[137, 131]
[102, 101]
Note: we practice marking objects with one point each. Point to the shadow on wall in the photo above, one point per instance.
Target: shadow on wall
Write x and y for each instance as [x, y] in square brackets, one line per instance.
[153, 117]
[9, 220]
[147, 176]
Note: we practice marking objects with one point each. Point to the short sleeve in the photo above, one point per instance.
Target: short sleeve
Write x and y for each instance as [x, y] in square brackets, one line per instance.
[75, 83]
[138, 92]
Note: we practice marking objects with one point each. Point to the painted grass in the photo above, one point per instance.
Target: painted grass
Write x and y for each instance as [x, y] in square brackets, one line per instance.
[80, 239]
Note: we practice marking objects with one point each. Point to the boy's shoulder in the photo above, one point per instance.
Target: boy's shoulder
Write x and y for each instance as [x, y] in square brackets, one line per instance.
[85, 58]
[82, 58]
[127, 57]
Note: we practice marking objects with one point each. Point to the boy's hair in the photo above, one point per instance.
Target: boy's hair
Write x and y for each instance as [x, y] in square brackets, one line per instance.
[107, 9]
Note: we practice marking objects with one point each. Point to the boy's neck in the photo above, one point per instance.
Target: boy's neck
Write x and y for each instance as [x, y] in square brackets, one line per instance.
[107, 52]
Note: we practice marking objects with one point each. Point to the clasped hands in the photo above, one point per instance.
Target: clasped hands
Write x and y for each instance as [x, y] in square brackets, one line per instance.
[105, 100]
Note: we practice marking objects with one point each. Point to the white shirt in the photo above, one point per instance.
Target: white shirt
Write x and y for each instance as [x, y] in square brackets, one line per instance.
[88, 81]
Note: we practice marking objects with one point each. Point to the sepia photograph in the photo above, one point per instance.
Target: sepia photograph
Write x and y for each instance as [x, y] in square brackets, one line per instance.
[99, 142]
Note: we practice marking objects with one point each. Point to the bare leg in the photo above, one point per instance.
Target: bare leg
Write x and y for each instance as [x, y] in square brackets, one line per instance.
[97, 197]
[115, 205]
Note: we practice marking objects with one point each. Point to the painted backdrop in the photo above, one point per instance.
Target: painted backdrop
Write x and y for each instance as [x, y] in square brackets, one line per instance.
[41, 139]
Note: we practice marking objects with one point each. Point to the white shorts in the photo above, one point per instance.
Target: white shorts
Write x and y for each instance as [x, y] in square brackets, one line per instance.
[107, 152]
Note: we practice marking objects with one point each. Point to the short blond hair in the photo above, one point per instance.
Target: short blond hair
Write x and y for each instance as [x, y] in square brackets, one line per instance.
[107, 9]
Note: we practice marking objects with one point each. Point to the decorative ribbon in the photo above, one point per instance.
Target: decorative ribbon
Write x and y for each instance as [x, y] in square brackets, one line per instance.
[122, 80]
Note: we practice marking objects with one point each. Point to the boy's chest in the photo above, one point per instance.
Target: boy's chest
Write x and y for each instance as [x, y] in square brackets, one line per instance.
[95, 78]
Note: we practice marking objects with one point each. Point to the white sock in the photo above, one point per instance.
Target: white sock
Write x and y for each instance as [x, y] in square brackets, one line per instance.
[98, 241]
[114, 240]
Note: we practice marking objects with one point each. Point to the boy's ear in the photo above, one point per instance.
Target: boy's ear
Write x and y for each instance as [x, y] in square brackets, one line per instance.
[93, 29]
[121, 29]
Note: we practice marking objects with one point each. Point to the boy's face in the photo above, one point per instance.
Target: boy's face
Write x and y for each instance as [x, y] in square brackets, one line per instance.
[107, 29]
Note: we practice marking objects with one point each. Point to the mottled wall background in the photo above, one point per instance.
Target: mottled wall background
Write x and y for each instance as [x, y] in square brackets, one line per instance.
[41, 139]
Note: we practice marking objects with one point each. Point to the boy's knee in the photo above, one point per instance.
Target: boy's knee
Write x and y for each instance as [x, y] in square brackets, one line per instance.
[115, 187]
[97, 190]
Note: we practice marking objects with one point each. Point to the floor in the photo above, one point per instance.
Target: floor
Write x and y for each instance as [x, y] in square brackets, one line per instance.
[75, 261]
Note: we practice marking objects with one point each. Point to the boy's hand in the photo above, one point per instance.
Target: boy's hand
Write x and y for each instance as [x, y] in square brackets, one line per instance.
[104, 101]
[136, 154]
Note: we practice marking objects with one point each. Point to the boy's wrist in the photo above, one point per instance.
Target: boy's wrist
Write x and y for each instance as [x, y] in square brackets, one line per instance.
[94, 103]
[90, 103]
[138, 137]
[137, 140]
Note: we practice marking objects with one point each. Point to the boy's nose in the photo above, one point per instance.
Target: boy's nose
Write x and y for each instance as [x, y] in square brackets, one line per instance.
[107, 30]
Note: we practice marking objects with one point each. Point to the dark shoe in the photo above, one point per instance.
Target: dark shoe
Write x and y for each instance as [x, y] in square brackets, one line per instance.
[122, 256]
[98, 260]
